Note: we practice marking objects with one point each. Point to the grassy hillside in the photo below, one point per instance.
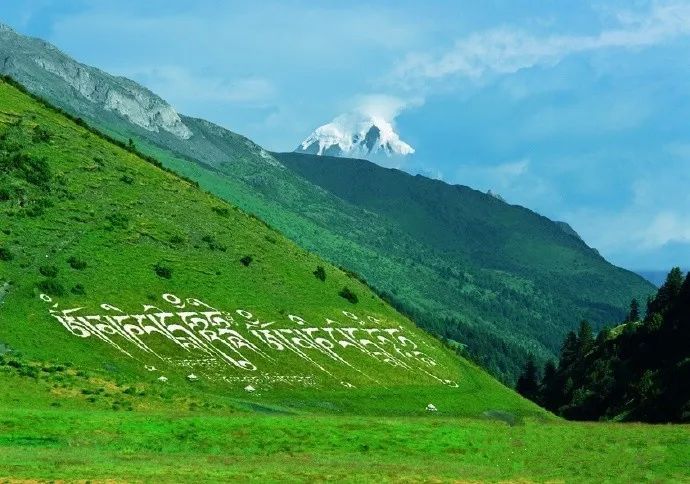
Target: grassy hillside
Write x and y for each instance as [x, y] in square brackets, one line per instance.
[110, 264]
[480, 284]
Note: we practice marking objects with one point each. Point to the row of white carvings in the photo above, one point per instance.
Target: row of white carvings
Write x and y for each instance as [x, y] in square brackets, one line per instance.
[218, 340]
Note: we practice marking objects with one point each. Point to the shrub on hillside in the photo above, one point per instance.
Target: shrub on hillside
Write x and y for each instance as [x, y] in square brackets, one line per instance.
[35, 171]
[79, 290]
[213, 244]
[176, 239]
[222, 211]
[5, 194]
[5, 254]
[346, 293]
[320, 273]
[51, 287]
[246, 260]
[48, 271]
[118, 220]
[162, 271]
[76, 263]
[40, 135]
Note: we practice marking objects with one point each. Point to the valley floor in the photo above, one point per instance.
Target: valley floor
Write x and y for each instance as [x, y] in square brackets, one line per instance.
[62, 424]
[99, 445]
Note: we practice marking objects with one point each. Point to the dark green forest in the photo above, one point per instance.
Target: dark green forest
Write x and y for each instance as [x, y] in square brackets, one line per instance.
[636, 371]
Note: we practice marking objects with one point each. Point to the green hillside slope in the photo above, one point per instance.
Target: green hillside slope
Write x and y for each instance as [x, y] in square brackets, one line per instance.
[503, 267]
[109, 264]
[430, 267]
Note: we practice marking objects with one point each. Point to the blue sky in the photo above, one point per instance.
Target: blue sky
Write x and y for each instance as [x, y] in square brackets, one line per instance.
[578, 110]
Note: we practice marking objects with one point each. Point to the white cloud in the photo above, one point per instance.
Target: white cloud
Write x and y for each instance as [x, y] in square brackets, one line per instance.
[631, 229]
[508, 50]
[666, 227]
[511, 170]
[381, 106]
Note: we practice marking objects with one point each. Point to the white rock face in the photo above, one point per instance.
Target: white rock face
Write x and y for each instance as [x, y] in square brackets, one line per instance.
[137, 105]
[355, 135]
[152, 116]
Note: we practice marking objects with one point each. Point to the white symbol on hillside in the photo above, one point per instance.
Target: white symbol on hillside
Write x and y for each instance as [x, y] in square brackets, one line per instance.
[194, 335]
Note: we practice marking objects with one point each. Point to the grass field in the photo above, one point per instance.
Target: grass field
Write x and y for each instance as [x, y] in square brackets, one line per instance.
[80, 440]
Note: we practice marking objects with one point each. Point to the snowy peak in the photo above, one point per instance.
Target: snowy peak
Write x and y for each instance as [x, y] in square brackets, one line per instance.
[355, 135]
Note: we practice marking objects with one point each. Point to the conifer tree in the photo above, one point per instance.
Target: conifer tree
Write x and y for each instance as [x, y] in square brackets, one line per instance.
[549, 390]
[568, 351]
[667, 293]
[634, 314]
[585, 338]
[528, 382]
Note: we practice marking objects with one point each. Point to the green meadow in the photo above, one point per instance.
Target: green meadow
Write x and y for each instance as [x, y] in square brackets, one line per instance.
[47, 433]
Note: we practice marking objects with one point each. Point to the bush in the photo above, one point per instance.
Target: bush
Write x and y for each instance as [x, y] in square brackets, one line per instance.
[41, 135]
[79, 290]
[76, 263]
[5, 194]
[5, 254]
[118, 220]
[246, 260]
[162, 271]
[48, 271]
[222, 211]
[320, 273]
[176, 239]
[213, 244]
[127, 179]
[33, 170]
[346, 293]
[51, 287]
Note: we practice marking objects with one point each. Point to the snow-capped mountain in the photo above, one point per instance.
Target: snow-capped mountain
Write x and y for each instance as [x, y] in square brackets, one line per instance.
[355, 135]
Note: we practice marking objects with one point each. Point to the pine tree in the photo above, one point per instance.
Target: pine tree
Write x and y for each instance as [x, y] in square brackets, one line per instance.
[528, 382]
[568, 351]
[667, 293]
[634, 314]
[585, 338]
[549, 390]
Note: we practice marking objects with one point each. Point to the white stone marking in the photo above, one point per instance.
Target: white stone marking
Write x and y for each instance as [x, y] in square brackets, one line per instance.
[211, 342]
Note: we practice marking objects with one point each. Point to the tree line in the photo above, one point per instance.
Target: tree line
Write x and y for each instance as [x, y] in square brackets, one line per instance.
[638, 370]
